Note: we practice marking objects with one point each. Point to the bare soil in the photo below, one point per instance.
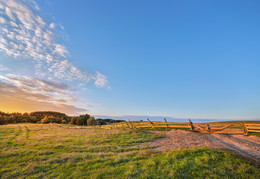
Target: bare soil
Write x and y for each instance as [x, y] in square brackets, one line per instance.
[232, 140]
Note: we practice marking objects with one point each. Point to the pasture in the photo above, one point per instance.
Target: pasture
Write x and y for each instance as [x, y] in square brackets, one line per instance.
[48, 150]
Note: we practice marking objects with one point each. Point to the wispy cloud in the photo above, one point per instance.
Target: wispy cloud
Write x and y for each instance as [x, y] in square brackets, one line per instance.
[40, 90]
[25, 34]
[30, 94]
[100, 80]
[3, 68]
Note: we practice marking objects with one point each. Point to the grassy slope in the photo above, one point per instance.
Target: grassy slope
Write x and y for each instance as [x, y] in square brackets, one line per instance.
[49, 151]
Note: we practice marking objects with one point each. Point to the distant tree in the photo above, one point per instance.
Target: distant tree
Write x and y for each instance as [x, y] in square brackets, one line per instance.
[91, 121]
[73, 120]
[41, 114]
[2, 120]
[33, 119]
[45, 120]
[45, 117]
[84, 118]
[50, 119]
[25, 114]
[7, 119]
[100, 122]
[79, 121]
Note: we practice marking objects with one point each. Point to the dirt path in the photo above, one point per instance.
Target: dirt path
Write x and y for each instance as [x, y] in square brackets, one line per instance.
[235, 142]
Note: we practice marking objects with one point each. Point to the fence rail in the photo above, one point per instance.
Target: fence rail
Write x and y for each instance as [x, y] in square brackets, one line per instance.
[195, 127]
[203, 128]
[247, 128]
[156, 124]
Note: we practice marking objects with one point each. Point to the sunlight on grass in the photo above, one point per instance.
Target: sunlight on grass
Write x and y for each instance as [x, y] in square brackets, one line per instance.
[34, 150]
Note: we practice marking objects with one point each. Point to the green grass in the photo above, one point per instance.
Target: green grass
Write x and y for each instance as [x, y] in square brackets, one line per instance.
[254, 134]
[38, 151]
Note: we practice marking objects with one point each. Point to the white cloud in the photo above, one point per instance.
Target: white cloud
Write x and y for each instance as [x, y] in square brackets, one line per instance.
[52, 25]
[2, 20]
[10, 14]
[100, 80]
[26, 35]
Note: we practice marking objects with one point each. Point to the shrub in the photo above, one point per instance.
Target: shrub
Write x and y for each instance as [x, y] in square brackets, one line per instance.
[101, 123]
[91, 121]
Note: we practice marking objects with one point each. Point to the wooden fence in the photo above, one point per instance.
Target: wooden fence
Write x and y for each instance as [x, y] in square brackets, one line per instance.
[249, 127]
[156, 124]
[202, 128]
[195, 127]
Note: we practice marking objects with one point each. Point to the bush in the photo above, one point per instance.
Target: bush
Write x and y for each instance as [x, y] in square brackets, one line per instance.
[91, 121]
[101, 123]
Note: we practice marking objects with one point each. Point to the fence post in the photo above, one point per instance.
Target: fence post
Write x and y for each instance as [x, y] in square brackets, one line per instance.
[123, 125]
[127, 125]
[191, 125]
[151, 123]
[132, 124]
[166, 124]
[245, 129]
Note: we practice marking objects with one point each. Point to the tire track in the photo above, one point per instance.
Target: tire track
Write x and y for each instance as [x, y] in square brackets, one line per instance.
[243, 142]
[242, 151]
[27, 133]
[12, 141]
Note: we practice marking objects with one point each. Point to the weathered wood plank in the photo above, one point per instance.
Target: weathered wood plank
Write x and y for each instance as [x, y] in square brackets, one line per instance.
[165, 126]
[191, 126]
[151, 123]
[252, 127]
[170, 123]
[252, 124]
[253, 130]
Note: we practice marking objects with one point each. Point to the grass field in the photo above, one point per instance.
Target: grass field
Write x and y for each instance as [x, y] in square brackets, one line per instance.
[36, 150]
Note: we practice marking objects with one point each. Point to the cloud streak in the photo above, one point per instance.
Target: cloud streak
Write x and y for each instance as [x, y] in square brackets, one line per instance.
[54, 92]
[25, 34]
[30, 94]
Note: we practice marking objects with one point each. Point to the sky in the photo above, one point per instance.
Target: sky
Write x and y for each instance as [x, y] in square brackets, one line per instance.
[183, 59]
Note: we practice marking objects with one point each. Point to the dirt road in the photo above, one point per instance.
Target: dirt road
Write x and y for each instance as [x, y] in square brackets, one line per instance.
[245, 146]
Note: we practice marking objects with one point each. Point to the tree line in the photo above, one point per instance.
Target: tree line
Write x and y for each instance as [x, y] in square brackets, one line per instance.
[45, 117]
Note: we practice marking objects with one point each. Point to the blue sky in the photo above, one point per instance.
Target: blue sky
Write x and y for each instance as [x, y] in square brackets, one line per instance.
[184, 59]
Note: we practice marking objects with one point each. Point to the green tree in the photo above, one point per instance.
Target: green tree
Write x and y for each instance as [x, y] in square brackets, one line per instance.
[91, 121]
[79, 121]
[73, 120]
[2, 120]
[84, 118]
[50, 119]
[33, 119]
